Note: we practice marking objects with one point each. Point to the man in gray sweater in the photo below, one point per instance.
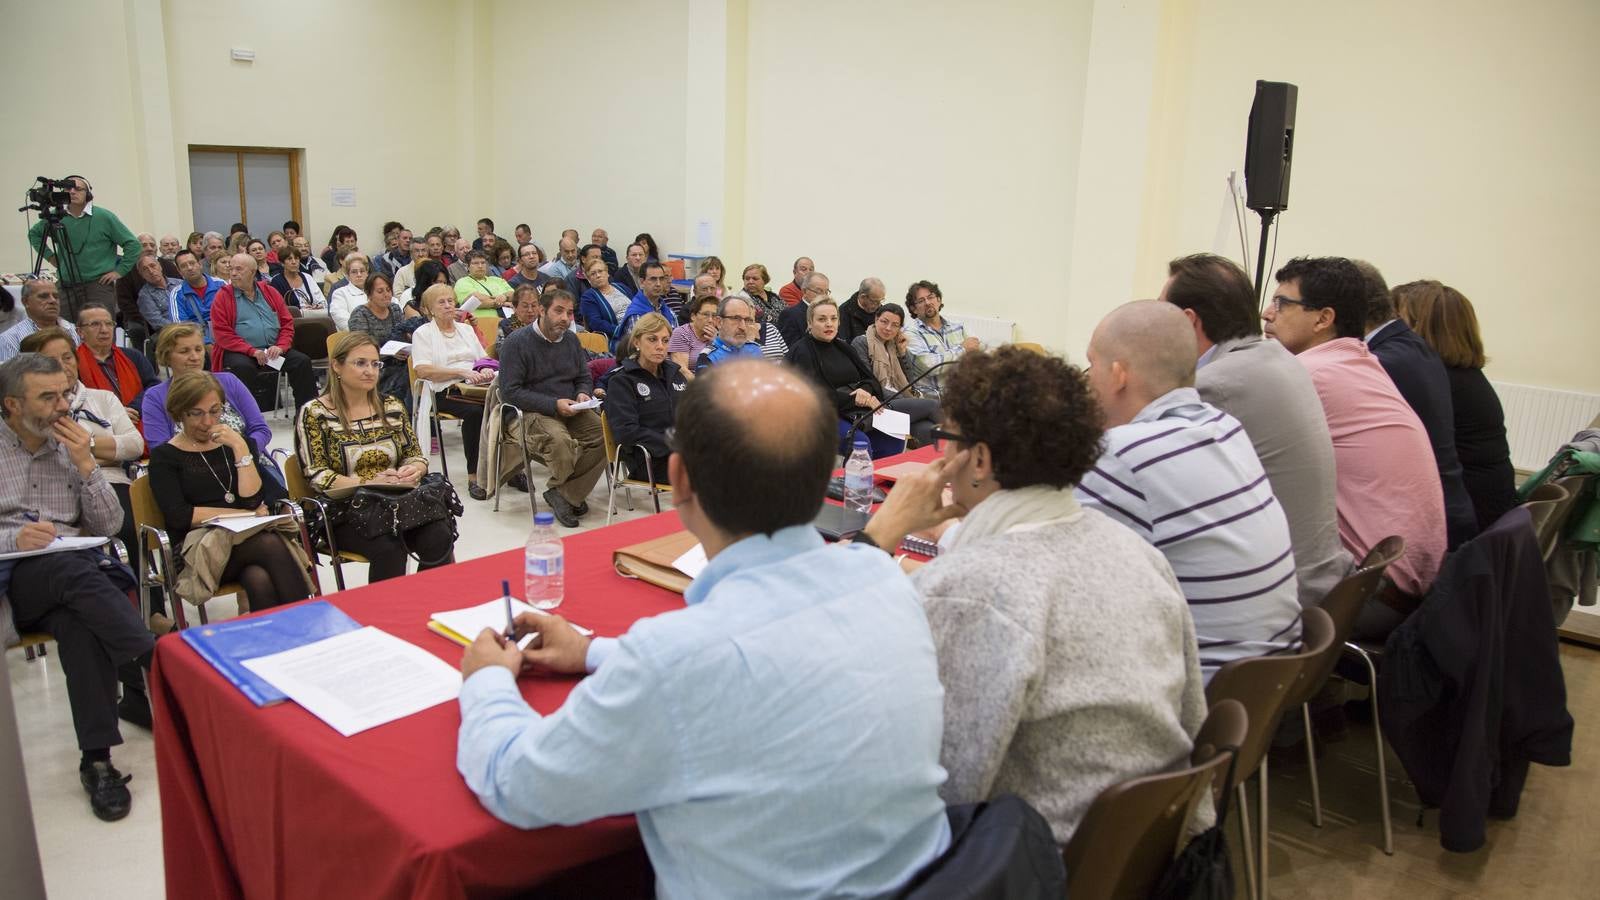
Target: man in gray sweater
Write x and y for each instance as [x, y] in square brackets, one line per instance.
[544, 372]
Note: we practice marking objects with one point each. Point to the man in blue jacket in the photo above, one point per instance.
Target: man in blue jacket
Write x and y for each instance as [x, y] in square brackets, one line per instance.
[650, 299]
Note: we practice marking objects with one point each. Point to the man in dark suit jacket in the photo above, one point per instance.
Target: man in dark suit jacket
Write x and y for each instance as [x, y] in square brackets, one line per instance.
[1420, 376]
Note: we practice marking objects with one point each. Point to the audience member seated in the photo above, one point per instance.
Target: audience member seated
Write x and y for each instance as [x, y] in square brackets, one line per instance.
[829, 362]
[792, 292]
[766, 304]
[566, 261]
[192, 299]
[602, 239]
[396, 254]
[405, 276]
[884, 349]
[1420, 377]
[694, 337]
[378, 318]
[352, 294]
[153, 302]
[444, 355]
[1259, 383]
[712, 266]
[1442, 317]
[643, 399]
[295, 286]
[800, 643]
[427, 275]
[265, 270]
[650, 299]
[603, 304]
[794, 321]
[181, 348]
[351, 436]
[627, 275]
[343, 238]
[578, 282]
[858, 314]
[651, 251]
[543, 372]
[114, 439]
[529, 259]
[526, 306]
[206, 470]
[252, 328]
[1388, 480]
[736, 322]
[105, 366]
[1183, 476]
[1065, 648]
[490, 291]
[931, 337]
[41, 300]
[54, 486]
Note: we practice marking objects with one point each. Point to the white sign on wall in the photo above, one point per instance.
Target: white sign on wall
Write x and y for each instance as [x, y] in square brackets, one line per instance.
[343, 196]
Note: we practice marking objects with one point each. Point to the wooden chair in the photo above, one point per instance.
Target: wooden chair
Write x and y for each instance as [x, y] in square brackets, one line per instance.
[1030, 345]
[488, 332]
[1263, 685]
[594, 342]
[1343, 604]
[616, 469]
[301, 492]
[1133, 830]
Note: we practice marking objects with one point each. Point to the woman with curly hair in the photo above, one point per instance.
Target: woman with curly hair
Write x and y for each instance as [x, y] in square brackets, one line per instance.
[1065, 647]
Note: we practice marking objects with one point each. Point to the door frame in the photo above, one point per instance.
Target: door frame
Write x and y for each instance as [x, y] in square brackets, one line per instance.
[238, 157]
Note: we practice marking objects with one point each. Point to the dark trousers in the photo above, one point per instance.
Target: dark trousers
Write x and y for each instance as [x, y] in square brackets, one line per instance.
[433, 544]
[259, 378]
[924, 415]
[471, 424]
[96, 628]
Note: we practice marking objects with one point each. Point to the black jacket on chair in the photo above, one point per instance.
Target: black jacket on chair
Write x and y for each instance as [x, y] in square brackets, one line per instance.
[1471, 685]
[999, 850]
[1419, 374]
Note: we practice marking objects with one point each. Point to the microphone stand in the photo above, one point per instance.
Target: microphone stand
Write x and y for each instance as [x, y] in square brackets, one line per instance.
[837, 483]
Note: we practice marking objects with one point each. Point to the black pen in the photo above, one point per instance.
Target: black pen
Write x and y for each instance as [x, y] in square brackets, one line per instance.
[511, 628]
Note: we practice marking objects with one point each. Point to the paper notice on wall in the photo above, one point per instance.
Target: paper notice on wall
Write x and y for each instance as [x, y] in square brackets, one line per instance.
[702, 235]
[342, 196]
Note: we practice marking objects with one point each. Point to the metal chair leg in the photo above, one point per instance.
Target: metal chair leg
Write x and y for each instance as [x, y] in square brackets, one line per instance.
[1264, 831]
[611, 493]
[1243, 804]
[1383, 766]
[1311, 761]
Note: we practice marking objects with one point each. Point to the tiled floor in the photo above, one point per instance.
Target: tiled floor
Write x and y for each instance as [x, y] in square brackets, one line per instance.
[1547, 851]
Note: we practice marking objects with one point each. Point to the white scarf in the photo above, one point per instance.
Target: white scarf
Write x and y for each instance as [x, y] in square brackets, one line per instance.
[1016, 510]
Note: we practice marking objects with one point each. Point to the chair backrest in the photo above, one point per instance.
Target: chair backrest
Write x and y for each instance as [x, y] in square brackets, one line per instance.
[1343, 605]
[1385, 553]
[143, 501]
[1263, 684]
[332, 339]
[1133, 830]
[1030, 345]
[594, 342]
[609, 438]
[488, 331]
[294, 478]
[1546, 501]
[313, 336]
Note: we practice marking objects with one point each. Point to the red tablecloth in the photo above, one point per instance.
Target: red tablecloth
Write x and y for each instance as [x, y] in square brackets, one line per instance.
[273, 803]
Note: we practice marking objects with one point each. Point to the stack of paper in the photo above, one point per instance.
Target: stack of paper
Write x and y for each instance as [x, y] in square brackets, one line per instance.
[243, 522]
[464, 625]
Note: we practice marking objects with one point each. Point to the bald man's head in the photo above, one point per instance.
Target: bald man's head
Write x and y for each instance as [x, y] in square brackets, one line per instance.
[1140, 351]
[754, 422]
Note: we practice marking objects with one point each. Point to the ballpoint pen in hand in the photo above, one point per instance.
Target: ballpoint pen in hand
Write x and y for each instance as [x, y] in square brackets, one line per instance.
[511, 626]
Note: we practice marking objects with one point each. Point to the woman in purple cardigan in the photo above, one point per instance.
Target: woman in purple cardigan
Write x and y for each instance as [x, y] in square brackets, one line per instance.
[182, 348]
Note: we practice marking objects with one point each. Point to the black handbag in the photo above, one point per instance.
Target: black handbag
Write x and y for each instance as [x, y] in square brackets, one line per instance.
[373, 513]
[1201, 871]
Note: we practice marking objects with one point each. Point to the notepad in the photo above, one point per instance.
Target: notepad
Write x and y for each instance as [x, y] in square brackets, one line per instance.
[61, 544]
[892, 423]
[243, 522]
[275, 362]
[463, 626]
[471, 304]
[394, 347]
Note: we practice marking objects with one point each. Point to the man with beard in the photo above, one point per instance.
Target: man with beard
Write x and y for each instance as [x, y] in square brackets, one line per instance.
[51, 486]
[544, 372]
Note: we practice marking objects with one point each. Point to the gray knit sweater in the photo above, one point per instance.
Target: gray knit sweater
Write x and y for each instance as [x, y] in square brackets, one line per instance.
[1074, 671]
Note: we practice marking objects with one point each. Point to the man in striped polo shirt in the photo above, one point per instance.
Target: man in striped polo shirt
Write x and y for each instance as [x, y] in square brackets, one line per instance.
[1183, 475]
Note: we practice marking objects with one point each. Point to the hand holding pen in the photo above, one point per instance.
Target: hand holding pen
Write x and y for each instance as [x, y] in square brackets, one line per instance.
[35, 535]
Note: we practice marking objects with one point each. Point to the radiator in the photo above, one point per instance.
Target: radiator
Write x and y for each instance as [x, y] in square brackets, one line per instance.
[1538, 420]
[991, 332]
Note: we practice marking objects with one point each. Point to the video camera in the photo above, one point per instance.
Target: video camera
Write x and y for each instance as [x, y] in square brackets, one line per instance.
[48, 197]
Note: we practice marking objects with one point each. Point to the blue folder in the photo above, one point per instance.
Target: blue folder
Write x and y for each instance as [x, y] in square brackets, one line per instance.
[228, 644]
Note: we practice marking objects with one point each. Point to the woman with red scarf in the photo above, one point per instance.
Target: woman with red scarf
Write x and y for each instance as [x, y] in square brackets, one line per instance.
[107, 367]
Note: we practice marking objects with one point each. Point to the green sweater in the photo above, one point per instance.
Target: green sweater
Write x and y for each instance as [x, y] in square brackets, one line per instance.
[94, 238]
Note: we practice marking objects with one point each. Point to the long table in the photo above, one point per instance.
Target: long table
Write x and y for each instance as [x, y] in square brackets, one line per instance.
[271, 802]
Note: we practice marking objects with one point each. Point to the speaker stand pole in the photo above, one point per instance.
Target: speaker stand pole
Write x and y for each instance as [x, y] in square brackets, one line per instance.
[1267, 215]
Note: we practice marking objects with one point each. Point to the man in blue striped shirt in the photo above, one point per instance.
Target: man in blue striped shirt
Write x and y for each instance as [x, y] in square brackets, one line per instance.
[1183, 475]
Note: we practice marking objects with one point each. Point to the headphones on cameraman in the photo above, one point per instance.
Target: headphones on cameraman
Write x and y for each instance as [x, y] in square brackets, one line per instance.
[88, 189]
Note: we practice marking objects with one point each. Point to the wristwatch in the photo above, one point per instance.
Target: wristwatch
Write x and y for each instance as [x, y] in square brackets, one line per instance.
[245, 462]
[91, 443]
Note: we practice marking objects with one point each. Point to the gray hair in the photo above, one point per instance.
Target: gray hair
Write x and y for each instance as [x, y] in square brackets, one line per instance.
[211, 234]
[867, 284]
[31, 285]
[15, 371]
[740, 297]
[813, 277]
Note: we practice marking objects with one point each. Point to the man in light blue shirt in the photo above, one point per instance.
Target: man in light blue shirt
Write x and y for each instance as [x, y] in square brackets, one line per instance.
[780, 736]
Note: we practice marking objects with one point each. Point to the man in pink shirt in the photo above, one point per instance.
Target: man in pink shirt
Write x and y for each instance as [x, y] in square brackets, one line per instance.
[1387, 482]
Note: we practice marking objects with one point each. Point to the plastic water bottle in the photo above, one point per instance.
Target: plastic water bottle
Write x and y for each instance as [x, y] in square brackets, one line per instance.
[858, 477]
[543, 576]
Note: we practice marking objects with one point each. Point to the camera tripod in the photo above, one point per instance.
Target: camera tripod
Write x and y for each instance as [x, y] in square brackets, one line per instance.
[54, 241]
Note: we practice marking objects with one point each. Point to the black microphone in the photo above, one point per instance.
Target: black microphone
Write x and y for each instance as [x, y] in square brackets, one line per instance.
[836, 484]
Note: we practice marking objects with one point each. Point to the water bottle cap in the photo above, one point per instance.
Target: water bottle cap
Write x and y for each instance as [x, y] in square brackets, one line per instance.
[544, 518]
[861, 441]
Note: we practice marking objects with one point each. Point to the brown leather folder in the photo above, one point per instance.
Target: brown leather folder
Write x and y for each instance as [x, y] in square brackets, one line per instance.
[651, 561]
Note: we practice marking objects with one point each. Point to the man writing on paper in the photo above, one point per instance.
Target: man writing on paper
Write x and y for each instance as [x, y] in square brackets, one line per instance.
[52, 486]
[777, 738]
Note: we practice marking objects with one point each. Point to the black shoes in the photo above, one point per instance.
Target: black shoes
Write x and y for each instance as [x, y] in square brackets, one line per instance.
[134, 707]
[582, 509]
[565, 513]
[476, 491]
[519, 481]
[107, 789]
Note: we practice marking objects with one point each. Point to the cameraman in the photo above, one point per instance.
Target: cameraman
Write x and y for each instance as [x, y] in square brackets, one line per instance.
[94, 236]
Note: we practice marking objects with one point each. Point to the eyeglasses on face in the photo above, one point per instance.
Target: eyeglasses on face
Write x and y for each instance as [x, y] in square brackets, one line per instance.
[195, 415]
[1279, 301]
[942, 438]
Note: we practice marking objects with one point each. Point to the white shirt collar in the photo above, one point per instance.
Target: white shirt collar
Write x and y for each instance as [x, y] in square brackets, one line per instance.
[1368, 338]
[88, 208]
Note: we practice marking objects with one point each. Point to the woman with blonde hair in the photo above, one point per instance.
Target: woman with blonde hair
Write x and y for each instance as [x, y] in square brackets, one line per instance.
[642, 398]
[1444, 318]
[347, 298]
[353, 436]
[181, 348]
[445, 354]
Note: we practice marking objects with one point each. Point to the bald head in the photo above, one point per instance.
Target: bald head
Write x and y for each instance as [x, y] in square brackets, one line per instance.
[1140, 351]
[242, 269]
[769, 425]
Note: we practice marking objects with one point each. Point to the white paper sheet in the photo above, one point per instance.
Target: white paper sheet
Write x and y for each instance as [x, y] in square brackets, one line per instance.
[591, 403]
[892, 423]
[274, 362]
[393, 347]
[471, 304]
[242, 522]
[691, 563]
[61, 544]
[360, 679]
[471, 621]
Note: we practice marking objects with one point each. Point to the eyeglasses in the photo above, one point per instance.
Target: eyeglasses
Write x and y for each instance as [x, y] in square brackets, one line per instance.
[98, 325]
[366, 365]
[1278, 301]
[742, 320]
[214, 412]
[941, 437]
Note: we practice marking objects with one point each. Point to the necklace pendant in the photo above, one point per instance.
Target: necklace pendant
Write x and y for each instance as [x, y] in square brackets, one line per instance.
[228, 496]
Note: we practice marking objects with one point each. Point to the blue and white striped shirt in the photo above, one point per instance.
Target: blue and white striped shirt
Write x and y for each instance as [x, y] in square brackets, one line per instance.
[1184, 476]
